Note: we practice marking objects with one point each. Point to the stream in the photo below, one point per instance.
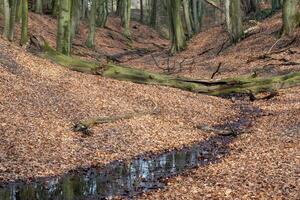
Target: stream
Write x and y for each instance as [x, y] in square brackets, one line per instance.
[120, 179]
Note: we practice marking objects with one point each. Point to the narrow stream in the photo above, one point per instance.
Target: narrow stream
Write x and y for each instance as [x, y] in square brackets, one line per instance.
[120, 179]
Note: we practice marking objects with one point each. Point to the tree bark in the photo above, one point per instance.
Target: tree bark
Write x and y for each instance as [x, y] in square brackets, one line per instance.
[63, 43]
[141, 11]
[76, 12]
[234, 19]
[6, 18]
[39, 6]
[12, 20]
[187, 17]
[276, 4]
[102, 13]
[153, 15]
[125, 16]
[175, 25]
[290, 16]
[90, 43]
[24, 32]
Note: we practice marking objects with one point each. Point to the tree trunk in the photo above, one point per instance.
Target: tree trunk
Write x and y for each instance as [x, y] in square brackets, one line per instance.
[39, 6]
[142, 11]
[75, 17]
[125, 16]
[176, 30]
[19, 11]
[6, 18]
[63, 43]
[153, 14]
[195, 16]
[234, 19]
[24, 32]
[102, 13]
[55, 7]
[276, 4]
[290, 15]
[90, 42]
[12, 20]
[187, 17]
[238, 85]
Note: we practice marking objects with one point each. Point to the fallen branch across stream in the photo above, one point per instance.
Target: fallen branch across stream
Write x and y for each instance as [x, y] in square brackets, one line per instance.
[237, 85]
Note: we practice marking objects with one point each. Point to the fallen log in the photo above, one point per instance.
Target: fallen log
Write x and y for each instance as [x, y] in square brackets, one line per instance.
[237, 85]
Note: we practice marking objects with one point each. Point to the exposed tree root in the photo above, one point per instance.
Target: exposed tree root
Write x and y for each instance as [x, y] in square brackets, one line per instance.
[236, 85]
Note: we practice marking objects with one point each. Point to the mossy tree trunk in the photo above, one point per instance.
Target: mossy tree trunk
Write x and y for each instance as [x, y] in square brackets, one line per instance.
[76, 14]
[19, 11]
[234, 19]
[125, 9]
[237, 85]
[90, 42]
[12, 20]
[290, 16]
[153, 16]
[24, 32]
[175, 25]
[39, 6]
[55, 7]
[63, 43]
[102, 13]
[187, 17]
[195, 16]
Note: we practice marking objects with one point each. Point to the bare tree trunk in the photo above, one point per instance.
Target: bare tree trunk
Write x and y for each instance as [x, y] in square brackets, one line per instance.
[24, 32]
[290, 15]
[175, 25]
[234, 19]
[6, 18]
[187, 17]
[90, 43]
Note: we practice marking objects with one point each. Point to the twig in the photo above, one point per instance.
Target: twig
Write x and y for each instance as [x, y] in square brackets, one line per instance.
[273, 46]
[213, 4]
[217, 71]
[222, 47]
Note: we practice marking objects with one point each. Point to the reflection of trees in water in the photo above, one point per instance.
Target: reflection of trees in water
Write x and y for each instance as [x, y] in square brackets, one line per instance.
[116, 179]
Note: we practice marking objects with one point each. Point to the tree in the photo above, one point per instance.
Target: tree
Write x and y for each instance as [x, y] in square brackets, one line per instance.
[39, 6]
[290, 16]
[142, 11]
[6, 18]
[24, 32]
[90, 43]
[76, 12]
[276, 4]
[175, 25]
[125, 9]
[63, 42]
[234, 19]
[153, 15]
[102, 12]
[187, 17]
[12, 19]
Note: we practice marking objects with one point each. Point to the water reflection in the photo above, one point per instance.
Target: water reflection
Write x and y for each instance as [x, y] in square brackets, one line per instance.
[116, 179]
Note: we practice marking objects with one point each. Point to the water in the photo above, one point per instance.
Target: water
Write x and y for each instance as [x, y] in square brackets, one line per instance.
[120, 179]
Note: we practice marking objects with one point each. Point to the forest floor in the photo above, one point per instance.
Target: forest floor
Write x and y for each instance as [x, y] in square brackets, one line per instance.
[40, 101]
